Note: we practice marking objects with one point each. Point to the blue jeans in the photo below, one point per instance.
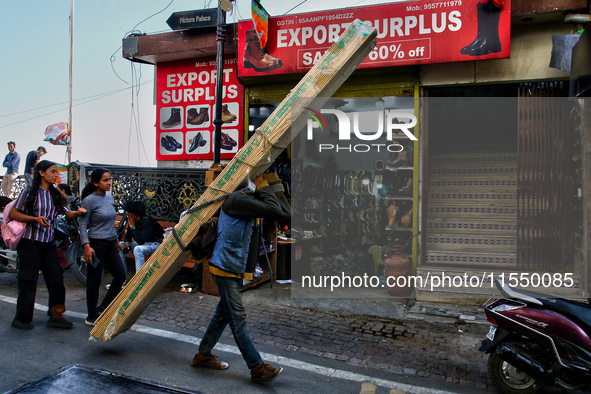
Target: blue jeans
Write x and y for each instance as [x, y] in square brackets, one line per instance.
[230, 311]
[139, 252]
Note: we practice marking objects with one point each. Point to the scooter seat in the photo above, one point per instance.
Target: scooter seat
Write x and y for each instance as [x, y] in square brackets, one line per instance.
[578, 312]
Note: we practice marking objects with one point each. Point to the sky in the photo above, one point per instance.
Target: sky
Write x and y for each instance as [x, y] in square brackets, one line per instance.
[113, 110]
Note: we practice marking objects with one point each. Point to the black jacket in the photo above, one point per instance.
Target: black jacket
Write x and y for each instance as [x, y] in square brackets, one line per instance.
[147, 230]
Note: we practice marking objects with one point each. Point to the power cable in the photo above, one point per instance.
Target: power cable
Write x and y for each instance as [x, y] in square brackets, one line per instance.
[94, 98]
[171, 1]
[295, 7]
[67, 102]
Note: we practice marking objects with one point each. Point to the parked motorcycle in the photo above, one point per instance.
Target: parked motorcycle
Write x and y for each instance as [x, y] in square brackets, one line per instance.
[537, 341]
[70, 244]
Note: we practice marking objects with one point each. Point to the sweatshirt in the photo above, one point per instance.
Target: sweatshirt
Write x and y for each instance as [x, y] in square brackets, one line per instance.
[99, 220]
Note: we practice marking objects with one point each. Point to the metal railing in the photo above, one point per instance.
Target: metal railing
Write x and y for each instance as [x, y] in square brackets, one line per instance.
[17, 186]
[167, 192]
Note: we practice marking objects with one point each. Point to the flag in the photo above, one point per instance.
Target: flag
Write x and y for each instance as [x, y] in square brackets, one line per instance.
[58, 134]
[62, 172]
[260, 18]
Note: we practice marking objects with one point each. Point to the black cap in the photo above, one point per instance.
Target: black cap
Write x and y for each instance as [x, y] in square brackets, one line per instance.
[42, 149]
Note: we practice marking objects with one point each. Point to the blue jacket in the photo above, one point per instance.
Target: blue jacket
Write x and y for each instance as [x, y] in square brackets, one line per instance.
[237, 247]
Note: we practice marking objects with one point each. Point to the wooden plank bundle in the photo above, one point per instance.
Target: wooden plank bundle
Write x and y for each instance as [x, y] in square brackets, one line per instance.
[317, 86]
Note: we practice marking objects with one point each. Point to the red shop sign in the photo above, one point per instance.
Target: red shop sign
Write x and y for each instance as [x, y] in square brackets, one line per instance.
[409, 33]
[185, 110]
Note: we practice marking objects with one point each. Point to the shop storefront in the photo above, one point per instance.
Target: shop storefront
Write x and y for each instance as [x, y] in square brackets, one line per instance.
[447, 197]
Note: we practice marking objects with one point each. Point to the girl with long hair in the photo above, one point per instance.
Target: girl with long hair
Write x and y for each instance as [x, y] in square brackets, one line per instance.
[101, 246]
[38, 206]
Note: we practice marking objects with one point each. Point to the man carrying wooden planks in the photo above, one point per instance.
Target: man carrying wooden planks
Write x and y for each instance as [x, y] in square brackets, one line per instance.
[234, 258]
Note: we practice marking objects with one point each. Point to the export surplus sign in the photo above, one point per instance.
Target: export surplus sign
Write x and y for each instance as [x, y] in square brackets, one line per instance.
[185, 109]
[409, 33]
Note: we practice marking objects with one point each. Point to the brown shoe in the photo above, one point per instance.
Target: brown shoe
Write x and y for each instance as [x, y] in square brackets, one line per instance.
[210, 362]
[257, 58]
[192, 115]
[201, 118]
[227, 116]
[264, 373]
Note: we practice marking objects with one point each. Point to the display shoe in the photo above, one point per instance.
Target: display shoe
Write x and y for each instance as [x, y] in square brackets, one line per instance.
[487, 39]
[401, 160]
[192, 115]
[315, 250]
[174, 120]
[357, 183]
[201, 118]
[197, 141]
[322, 231]
[226, 145]
[368, 185]
[352, 179]
[351, 216]
[256, 57]
[228, 139]
[407, 189]
[392, 186]
[227, 116]
[406, 219]
[392, 210]
[344, 229]
[174, 142]
[343, 244]
[166, 145]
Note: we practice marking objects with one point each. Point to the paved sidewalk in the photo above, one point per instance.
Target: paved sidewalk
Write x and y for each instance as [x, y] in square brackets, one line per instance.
[434, 341]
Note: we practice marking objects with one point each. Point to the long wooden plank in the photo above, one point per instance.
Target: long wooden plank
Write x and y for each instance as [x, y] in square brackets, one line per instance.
[317, 86]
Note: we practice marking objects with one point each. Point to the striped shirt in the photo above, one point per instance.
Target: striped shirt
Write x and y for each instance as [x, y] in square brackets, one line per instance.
[43, 207]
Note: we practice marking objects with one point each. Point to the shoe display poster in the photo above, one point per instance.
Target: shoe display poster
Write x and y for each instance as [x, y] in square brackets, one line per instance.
[185, 110]
[409, 33]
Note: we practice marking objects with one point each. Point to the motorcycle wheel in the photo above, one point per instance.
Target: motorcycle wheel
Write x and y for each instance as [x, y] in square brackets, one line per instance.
[78, 267]
[508, 379]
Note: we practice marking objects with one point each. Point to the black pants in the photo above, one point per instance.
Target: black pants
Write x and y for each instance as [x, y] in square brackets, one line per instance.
[108, 256]
[35, 256]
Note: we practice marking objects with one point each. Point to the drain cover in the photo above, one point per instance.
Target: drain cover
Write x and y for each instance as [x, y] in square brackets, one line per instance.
[78, 379]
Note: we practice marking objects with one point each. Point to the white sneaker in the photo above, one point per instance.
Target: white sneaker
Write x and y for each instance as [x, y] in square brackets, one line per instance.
[108, 285]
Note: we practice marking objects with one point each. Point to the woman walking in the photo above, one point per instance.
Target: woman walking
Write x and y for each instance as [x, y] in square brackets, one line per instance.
[38, 206]
[99, 238]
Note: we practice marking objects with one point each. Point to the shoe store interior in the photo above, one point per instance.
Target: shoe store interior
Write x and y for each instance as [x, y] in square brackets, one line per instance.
[353, 203]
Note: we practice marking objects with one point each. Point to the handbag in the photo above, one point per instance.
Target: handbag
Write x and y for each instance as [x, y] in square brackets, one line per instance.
[12, 230]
